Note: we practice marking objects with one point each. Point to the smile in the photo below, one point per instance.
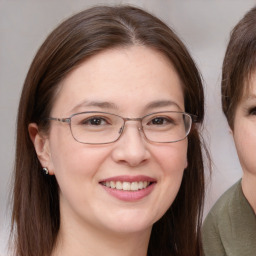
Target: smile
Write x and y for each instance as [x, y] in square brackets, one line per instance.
[126, 185]
[129, 188]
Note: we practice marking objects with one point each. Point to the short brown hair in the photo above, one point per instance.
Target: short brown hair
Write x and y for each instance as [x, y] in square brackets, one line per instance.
[36, 214]
[238, 64]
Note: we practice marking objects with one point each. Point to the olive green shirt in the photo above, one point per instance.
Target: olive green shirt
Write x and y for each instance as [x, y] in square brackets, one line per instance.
[230, 227]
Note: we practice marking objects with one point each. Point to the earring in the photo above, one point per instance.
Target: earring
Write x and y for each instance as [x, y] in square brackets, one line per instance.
[45, 170]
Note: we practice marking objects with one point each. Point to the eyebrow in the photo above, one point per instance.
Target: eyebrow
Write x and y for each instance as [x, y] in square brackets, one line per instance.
[162, 103]
[99, 104]
[113, 106]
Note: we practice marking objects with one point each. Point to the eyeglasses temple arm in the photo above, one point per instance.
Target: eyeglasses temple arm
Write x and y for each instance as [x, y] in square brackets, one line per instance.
[64, 120]
[194, 118]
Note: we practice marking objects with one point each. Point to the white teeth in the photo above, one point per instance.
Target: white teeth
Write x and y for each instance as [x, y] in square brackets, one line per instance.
[128, 186]
[119, 185]
[134, 186]
[112, 184]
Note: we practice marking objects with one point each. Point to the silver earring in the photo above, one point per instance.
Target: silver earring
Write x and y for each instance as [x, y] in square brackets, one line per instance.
[45, 170]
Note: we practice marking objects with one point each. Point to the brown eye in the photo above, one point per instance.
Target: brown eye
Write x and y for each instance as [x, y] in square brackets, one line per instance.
[96, 121]
[160, 121]
[157, 121]
[252, 111]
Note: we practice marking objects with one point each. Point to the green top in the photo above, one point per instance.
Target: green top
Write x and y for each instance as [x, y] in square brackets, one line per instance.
[230, 227]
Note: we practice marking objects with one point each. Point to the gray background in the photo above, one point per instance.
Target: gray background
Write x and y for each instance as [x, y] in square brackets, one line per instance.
[204, 26]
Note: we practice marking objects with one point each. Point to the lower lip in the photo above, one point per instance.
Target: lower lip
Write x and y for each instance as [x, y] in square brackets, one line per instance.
[130, 196]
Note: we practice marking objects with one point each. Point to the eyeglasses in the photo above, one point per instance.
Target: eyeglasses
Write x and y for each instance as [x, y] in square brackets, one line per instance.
[103, 128]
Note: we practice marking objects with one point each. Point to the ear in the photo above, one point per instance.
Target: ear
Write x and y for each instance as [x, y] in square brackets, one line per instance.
[41, 144]
[230, 131]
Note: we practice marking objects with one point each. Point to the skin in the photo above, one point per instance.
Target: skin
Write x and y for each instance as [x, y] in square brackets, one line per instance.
[93, 222]
[245, 141]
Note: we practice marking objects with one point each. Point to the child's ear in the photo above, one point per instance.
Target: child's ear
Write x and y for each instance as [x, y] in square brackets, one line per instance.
[41, 144]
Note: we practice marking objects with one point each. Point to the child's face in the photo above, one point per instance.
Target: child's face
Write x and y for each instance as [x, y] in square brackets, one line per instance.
[244, 131]
[130, 82]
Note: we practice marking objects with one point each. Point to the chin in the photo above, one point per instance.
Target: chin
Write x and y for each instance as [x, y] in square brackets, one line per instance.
[127, 229]
[131, 223]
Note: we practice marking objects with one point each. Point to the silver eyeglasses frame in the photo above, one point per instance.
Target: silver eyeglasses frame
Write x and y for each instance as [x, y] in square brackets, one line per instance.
[192, 118]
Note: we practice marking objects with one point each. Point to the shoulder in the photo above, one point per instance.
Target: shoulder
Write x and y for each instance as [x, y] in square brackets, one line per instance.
[230, 226]
[228, 202]
[225, 213]
[217, 224]
[227, 208]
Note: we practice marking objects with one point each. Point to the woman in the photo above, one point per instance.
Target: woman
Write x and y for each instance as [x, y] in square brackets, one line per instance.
[108, 156]
[230, 227]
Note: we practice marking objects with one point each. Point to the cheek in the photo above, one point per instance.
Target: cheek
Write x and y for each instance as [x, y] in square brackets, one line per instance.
[172, 157]
[76, 167]
[73, 159]
[173, 160]
[245, 141]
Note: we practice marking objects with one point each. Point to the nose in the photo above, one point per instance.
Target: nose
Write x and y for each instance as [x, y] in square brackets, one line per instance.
[132, 148]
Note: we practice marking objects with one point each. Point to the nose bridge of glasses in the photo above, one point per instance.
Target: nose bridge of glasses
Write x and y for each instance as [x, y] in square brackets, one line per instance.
[127, 119]
[137, 119]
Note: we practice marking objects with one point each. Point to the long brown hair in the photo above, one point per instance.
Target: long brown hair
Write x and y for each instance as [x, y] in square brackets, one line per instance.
[239, 64]
[36, 216]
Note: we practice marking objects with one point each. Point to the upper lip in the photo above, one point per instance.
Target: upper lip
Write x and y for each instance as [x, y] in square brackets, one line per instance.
[129, 178]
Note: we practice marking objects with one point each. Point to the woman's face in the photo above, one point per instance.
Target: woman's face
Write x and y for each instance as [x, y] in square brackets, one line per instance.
[244, 129]
[130, 82]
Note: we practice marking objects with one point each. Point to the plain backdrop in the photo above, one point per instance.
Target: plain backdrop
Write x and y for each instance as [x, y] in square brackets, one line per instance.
[204, 26]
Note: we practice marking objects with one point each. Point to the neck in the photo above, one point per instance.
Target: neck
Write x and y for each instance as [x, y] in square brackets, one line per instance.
[249, 189]
[90, 241]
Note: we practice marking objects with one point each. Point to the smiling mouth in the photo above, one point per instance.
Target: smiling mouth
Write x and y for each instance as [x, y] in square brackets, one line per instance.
[126, 185]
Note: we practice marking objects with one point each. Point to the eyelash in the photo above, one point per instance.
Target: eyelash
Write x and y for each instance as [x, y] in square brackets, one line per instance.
[252, 111]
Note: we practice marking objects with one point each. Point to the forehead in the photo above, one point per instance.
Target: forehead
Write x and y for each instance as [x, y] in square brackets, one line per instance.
[128, 76]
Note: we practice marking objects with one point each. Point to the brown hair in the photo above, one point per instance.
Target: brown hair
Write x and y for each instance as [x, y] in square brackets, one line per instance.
[36, 216]
[238, 64]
